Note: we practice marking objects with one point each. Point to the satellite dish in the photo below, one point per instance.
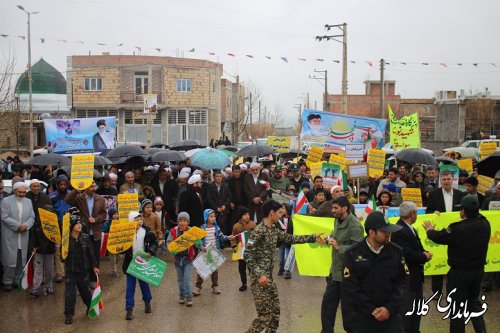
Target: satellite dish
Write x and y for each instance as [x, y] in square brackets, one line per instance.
[45, 116]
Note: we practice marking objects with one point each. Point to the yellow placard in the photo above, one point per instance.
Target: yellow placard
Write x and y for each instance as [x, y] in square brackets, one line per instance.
[339, 160]
[316, 168]
[238, 161]
[412, 194]
[238, 255]
[50, 225]
[281, 143]
[82, 171]
[65, 236]
[127, 202]
[404, 132]
[186, 240]
[376, 162]
[465, 164]
[484, 183]
[487, 148]
[121, 236]
[315, 155]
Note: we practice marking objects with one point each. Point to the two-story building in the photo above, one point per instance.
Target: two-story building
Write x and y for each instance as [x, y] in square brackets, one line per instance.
[188, 93]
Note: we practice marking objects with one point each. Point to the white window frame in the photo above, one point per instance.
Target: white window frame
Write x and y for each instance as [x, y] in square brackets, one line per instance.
[92, 83]
[184, 85]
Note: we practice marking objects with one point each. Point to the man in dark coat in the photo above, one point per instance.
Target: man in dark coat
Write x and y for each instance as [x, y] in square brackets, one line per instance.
[218, 199]
[237, 194]
[255, 192]
[166, 188]
[191, 201]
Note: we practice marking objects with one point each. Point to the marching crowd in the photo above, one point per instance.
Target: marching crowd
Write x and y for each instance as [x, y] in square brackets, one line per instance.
[254, 197]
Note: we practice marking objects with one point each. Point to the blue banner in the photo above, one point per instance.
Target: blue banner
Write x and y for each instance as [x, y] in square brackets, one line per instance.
[77, 136]
[339, 130]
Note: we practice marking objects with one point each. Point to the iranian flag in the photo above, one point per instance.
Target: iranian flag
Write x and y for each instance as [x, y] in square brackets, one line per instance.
[26, 279]
[96, 304]
[267, 185]
[245, 240]
[104, 243]
[371, 206]
[301, 202]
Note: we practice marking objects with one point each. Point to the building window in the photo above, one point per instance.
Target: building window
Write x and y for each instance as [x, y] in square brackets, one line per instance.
[183, 85]
[176, 117]
[93, 84]
[197, 117]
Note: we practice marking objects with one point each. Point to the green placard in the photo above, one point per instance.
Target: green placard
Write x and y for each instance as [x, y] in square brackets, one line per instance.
[150, 270]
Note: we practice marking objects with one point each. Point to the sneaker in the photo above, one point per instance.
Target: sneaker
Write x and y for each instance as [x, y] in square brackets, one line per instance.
[35, 293]
[216, 290]
[68, 320]
[189, 303]
[281, 271]
[288, 275]
[182, 301]
[243, 287]
[197, 291]
[48, 291]
[147, 307]
[130, 314]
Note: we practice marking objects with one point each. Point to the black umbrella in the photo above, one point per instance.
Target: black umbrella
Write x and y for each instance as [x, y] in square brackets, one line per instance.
[158, 145]
[154, 150]
[490, 165]
[186, 145]
[446, 160]
[50, 159]
[416, 155]
[102, 160]
[255, 150]
[167, 156]
[124, 152]
[67, 169]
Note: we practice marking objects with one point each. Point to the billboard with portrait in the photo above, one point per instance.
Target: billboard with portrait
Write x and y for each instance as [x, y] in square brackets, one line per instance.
[77, 136]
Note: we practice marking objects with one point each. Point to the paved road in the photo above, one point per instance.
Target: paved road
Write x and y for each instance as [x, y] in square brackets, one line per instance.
[230, 312]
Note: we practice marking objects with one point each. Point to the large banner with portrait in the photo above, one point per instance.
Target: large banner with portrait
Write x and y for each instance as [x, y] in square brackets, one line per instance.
[77, 136]
[339, 130]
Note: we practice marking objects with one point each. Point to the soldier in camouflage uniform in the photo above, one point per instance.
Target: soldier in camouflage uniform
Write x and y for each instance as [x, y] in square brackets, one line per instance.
[260, 262]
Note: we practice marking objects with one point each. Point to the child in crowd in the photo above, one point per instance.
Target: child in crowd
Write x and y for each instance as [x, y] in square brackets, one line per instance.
[151, 220]
[106, 227]
[285, 224]
[77, 265]
[183, 260]
[144, 240]
[165, 223]
[215, 237]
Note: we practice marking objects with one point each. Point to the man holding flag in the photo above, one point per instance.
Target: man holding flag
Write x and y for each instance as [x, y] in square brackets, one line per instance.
[242, 229]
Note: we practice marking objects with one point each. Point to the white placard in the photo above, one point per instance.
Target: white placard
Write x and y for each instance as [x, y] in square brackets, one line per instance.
[359, 170]
[208, 261]
[354, 152]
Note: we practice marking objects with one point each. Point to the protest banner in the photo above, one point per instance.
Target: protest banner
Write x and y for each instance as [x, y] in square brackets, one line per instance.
[121, 236]
[486, 149]
[316, 168]
[465, 164]
[376, 162]
[404, 132]
[412, 194]
[208, 261]
[454, 170]
[315, 154]
[186, 240]
[338, 159]
[82, 171]
[484, 183]
[282, 144]
[79, 136]
[356, 171]
[315, 259]
[150, 270]
[127, 202]
[339, 130]
[50, 225]
[65, 236]
[354, 152]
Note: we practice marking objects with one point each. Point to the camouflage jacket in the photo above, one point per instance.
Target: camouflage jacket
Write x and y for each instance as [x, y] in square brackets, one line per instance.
[260, 255]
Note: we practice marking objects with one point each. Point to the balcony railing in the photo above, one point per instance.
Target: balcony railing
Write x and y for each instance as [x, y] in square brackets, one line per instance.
[134, 97]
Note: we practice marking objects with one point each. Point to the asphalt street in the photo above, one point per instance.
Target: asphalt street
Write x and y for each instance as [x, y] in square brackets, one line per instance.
[231, 311]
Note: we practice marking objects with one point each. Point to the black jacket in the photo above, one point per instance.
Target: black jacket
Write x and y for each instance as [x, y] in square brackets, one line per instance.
[413, 252]
[150, 246]
[216, 199]
[81, 255]
[168, 195]
[191, 203]
[436, 201]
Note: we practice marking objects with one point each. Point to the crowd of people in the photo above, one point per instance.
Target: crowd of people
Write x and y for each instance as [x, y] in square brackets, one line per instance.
[251, 196]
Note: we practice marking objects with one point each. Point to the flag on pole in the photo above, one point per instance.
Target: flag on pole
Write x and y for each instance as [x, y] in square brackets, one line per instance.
[267, 185]
[245, 240]
[104, 243]
[301, 202]
[96, 303]
[371, 206]
[26, 279]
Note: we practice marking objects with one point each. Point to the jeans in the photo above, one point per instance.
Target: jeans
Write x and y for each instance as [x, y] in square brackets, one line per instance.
[284, 249]
[130, 293]
[184, 270]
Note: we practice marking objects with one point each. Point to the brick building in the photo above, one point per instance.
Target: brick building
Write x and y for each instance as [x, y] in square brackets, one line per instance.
[230, 94]
[188, 95]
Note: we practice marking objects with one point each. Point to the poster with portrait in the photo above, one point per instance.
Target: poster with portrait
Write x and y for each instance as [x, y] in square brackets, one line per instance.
[339, 130]
[79, 136]
[150, 103]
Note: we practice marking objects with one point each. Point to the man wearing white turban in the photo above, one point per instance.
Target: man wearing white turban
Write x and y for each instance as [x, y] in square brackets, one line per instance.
[17, 218]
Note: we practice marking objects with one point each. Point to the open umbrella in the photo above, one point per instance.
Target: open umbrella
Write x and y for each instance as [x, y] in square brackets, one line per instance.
[446, 160]
[186, 145]
[255, 150]
[67, 169]
[416, 155]
[167, 156]
[50, 159]
[119, 153]
[209, 158]
[154, 150]
[228, 148]
[102, 160]
[490, 165]
[191, 152]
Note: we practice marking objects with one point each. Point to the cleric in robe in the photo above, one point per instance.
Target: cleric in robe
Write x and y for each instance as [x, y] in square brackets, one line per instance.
[105, 137]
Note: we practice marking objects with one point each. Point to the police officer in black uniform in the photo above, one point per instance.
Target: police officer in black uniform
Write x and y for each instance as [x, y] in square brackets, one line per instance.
[375, 278]
[467, 242]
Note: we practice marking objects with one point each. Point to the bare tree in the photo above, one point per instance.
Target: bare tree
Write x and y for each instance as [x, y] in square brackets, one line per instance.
[7, 65]
[479, 114]
[246, 108]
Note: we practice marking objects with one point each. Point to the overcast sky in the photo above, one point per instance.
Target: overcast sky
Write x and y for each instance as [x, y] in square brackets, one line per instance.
[434, 32]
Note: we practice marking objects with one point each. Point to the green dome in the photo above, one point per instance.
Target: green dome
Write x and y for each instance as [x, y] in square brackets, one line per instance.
[46, 80]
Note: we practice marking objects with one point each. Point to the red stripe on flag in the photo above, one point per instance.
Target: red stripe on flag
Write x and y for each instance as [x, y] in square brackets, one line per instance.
[104, 244]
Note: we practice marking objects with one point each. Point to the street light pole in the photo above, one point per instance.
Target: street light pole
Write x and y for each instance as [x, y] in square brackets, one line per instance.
[30, 84]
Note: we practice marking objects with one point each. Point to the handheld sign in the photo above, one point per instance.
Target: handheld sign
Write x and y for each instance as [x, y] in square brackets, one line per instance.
[412, 194]
[127, 202]
[121, 236]
[150, 270]
[358, 170]
[376, 162]
[50, 225]
[65, 236]
[82, 171]
[208, 261]
[354, 151]
[465, 164]
[186, 240]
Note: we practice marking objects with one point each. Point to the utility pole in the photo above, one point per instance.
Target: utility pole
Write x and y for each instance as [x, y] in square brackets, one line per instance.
[250, 109]
[236, 126]
[382, 111]
[260, 128]
[299, 126]
[306, 106]
[326, 105]
[342, 27]
[149, 119]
